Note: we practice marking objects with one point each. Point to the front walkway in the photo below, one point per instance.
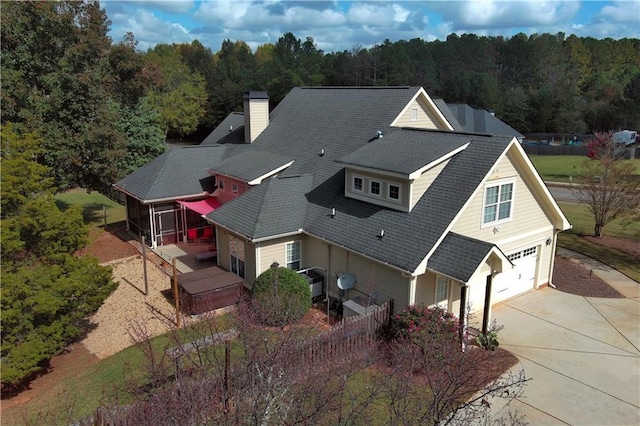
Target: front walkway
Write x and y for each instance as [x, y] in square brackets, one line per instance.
[582, 353]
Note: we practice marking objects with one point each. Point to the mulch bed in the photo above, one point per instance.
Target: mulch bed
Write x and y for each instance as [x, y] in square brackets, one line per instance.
[106, 246]
[626, 245]
[570, 277]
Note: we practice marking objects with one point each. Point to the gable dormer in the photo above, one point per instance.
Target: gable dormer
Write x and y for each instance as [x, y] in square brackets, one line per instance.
[422, 113]
[397, 168]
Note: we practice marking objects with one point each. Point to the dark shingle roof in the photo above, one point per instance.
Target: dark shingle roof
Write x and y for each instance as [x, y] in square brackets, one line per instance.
[444, 109]
[342, 121]
[178, 173]
[252, 164]
[409, 237]
[459, 257]
[480, 120]
[230, 129]
[277, 206]
[405, 151]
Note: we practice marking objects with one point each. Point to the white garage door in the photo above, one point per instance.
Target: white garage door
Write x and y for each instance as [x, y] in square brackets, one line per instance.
[519, 279]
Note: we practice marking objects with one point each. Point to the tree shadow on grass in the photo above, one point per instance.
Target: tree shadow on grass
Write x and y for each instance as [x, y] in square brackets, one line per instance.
[93, 213]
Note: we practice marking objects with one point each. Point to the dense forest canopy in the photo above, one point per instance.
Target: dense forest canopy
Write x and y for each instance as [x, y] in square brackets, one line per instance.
[104, 108]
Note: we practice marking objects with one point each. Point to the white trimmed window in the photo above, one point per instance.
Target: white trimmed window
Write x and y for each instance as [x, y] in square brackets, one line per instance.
[394, 192]
[414, 114]
[293, 255]
[358, 183]
[498, 203]
[442, 292]
[374, 187]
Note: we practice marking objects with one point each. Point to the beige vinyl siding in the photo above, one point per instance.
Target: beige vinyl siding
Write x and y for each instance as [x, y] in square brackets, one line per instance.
[382, 199]
[223, 248]
[387, 282]
[276, 251]
[421, 184]
[426, 292]
[371, 276]
[314, 252]
[425, 119]
[526, 215]
[257, 118]
[454, 297]
[426, 289]
[250, 273]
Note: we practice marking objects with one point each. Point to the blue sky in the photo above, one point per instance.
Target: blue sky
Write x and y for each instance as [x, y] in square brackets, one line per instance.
[342, 25]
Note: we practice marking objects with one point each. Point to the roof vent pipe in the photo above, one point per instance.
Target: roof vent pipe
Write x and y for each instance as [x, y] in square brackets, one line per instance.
[321, 152]
[333, 212]
[379, 134]
[381, 234]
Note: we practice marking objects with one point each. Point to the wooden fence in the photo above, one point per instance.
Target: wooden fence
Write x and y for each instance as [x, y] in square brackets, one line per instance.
[351, 337]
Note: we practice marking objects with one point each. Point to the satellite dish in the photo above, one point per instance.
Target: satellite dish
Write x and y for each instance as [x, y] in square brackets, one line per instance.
[346, 281]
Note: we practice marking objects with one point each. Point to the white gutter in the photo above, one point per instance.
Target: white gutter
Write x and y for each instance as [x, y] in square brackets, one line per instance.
[160, 200]
[273, 237]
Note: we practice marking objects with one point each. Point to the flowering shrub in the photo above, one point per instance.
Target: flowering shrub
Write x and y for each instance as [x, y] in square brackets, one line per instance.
[422, 325]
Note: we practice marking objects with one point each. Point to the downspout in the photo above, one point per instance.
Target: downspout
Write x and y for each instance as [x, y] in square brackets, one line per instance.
[152, 227]
[463, 310]
[328, 284]
[487, 305]
[553, 258]
[463, 315]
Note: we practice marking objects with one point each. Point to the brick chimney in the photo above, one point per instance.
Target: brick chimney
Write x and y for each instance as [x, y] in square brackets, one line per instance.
[256, 114]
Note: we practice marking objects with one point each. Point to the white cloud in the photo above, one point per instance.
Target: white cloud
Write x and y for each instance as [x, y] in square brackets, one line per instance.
[490, 14]
[400, 14]
[169, 6]
[620, 11]
[342, 25]
[149, 30]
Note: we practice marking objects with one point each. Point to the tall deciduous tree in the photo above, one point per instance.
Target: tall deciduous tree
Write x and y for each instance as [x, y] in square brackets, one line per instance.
[606, 183]
[55, 56]
[180, 95]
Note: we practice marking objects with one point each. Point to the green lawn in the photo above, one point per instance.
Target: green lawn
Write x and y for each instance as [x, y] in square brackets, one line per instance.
[560, 168]
[582, 222]
[94, 206]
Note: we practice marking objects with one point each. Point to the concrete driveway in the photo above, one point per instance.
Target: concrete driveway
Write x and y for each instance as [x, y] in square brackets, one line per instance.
[582, 353]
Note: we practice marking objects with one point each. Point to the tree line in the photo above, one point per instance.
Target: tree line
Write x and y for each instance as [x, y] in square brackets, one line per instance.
[104, 108]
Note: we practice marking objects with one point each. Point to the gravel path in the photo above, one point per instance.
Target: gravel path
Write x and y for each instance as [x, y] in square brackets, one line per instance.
[128, 306]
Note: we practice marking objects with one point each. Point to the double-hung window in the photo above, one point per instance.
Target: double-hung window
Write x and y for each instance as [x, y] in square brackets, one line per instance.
[394, 192]
[374, 188]
[442, 292]
[293, 255]
[357, 183]
[498, 203]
